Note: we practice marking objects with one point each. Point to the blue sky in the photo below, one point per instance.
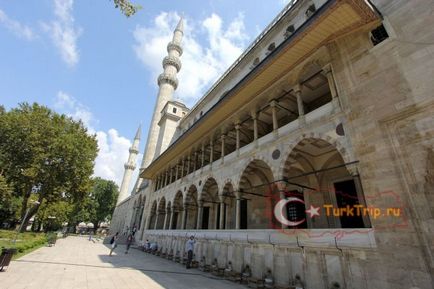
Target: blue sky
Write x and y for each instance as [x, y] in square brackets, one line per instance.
[85, 59]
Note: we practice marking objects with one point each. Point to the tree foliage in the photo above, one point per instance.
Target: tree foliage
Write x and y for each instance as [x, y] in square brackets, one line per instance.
[9, 203]
[52, 215]
[104, 195]
[98, 205]
[46, 156]
[127, 8]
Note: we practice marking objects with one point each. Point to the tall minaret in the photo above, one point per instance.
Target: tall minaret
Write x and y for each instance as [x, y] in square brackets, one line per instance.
[167, 83]
[130, 166]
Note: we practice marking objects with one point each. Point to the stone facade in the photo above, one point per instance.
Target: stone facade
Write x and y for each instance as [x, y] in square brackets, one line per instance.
[347, 120]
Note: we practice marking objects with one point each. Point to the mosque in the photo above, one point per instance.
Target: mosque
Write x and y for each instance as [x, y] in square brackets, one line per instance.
[311, 158]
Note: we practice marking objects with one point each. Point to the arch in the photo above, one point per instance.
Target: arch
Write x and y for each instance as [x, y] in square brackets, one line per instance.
[190, 205]
[309, 69]
[209, 200]
[337, 144]
[176, 211]
[229, 200]
[254, 185]
[134, 216]
[161, 213]
[317, 170]
[142, 209]
[153, 215]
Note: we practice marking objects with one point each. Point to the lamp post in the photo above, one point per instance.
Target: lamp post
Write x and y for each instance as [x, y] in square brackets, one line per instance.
[22, 221]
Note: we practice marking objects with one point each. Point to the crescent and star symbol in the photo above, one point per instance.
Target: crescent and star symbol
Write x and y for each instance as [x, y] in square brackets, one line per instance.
[279, 207]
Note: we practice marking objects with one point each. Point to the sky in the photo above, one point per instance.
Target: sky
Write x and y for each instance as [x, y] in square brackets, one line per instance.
[87, 60]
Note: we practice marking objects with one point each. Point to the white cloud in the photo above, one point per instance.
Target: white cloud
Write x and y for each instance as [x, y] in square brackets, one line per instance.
[20, 30]
[68, 105]
[63, 32]
[203, 61]
[113, 148]
[113, 153]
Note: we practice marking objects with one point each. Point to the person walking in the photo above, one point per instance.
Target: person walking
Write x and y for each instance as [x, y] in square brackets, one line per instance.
[114, 242]
[190, 248]
[130, 240]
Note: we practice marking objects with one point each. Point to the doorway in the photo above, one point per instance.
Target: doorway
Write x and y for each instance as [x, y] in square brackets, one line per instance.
[346, 195]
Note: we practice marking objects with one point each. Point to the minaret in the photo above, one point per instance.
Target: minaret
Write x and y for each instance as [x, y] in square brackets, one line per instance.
[130, 166]
[167, 83]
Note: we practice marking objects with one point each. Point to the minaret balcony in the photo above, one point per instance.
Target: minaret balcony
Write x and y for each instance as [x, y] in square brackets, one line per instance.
[128, 166]
[168, 78]
[174, 46]
[133, 151]
[173, 61]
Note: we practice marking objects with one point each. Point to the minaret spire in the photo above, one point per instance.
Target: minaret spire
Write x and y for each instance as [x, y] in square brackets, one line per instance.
[130, 166]
[167, 82]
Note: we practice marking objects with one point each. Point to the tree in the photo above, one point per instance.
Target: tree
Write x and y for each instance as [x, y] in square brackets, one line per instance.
[9, 204]
[104, 196]
[52, 215]
[127, 8]
[45, 155]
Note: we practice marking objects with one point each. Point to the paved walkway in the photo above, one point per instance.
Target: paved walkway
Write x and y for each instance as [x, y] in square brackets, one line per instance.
[77, 263]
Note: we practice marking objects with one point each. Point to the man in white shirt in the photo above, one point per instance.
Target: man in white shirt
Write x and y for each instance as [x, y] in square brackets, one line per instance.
[190, 248]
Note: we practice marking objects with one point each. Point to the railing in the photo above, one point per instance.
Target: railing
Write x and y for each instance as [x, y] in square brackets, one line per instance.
[324, 238]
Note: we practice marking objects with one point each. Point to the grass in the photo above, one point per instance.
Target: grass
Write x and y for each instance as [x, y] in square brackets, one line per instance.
[26, 242]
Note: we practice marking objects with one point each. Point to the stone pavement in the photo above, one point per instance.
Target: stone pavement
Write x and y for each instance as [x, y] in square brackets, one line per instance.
[77, 263]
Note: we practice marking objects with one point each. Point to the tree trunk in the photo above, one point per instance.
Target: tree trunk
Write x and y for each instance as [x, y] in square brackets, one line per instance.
[32, 211]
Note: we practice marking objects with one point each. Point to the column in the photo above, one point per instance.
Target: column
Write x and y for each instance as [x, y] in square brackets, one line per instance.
[184, 217]
[237, 132]
[222, 213]
[165, 219]
[166, 178]
[182, 167]
[171, 175]
[176, 171]
[223, 147]
[211, 155]
[148, 223]
[199, 214]
[327, 69]
[156, 220]
[238, 214]
[255, 125]
[194, 161]
[300, 105]
[216, 214]
[188, 164]
[274, 115]
[172, 212]
[203, 155]
[160, 181]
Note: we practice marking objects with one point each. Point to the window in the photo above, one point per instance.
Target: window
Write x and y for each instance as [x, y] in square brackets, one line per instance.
[378, 35]
[310, 11]
[289, 31]
[174, 110]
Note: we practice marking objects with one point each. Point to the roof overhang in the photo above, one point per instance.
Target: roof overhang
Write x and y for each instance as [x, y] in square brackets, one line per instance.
[332, 20]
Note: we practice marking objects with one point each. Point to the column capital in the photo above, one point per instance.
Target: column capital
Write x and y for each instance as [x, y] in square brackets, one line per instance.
[327, 68]
[297, 88]
[254, 114]
[273, 103]
[223, 136]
